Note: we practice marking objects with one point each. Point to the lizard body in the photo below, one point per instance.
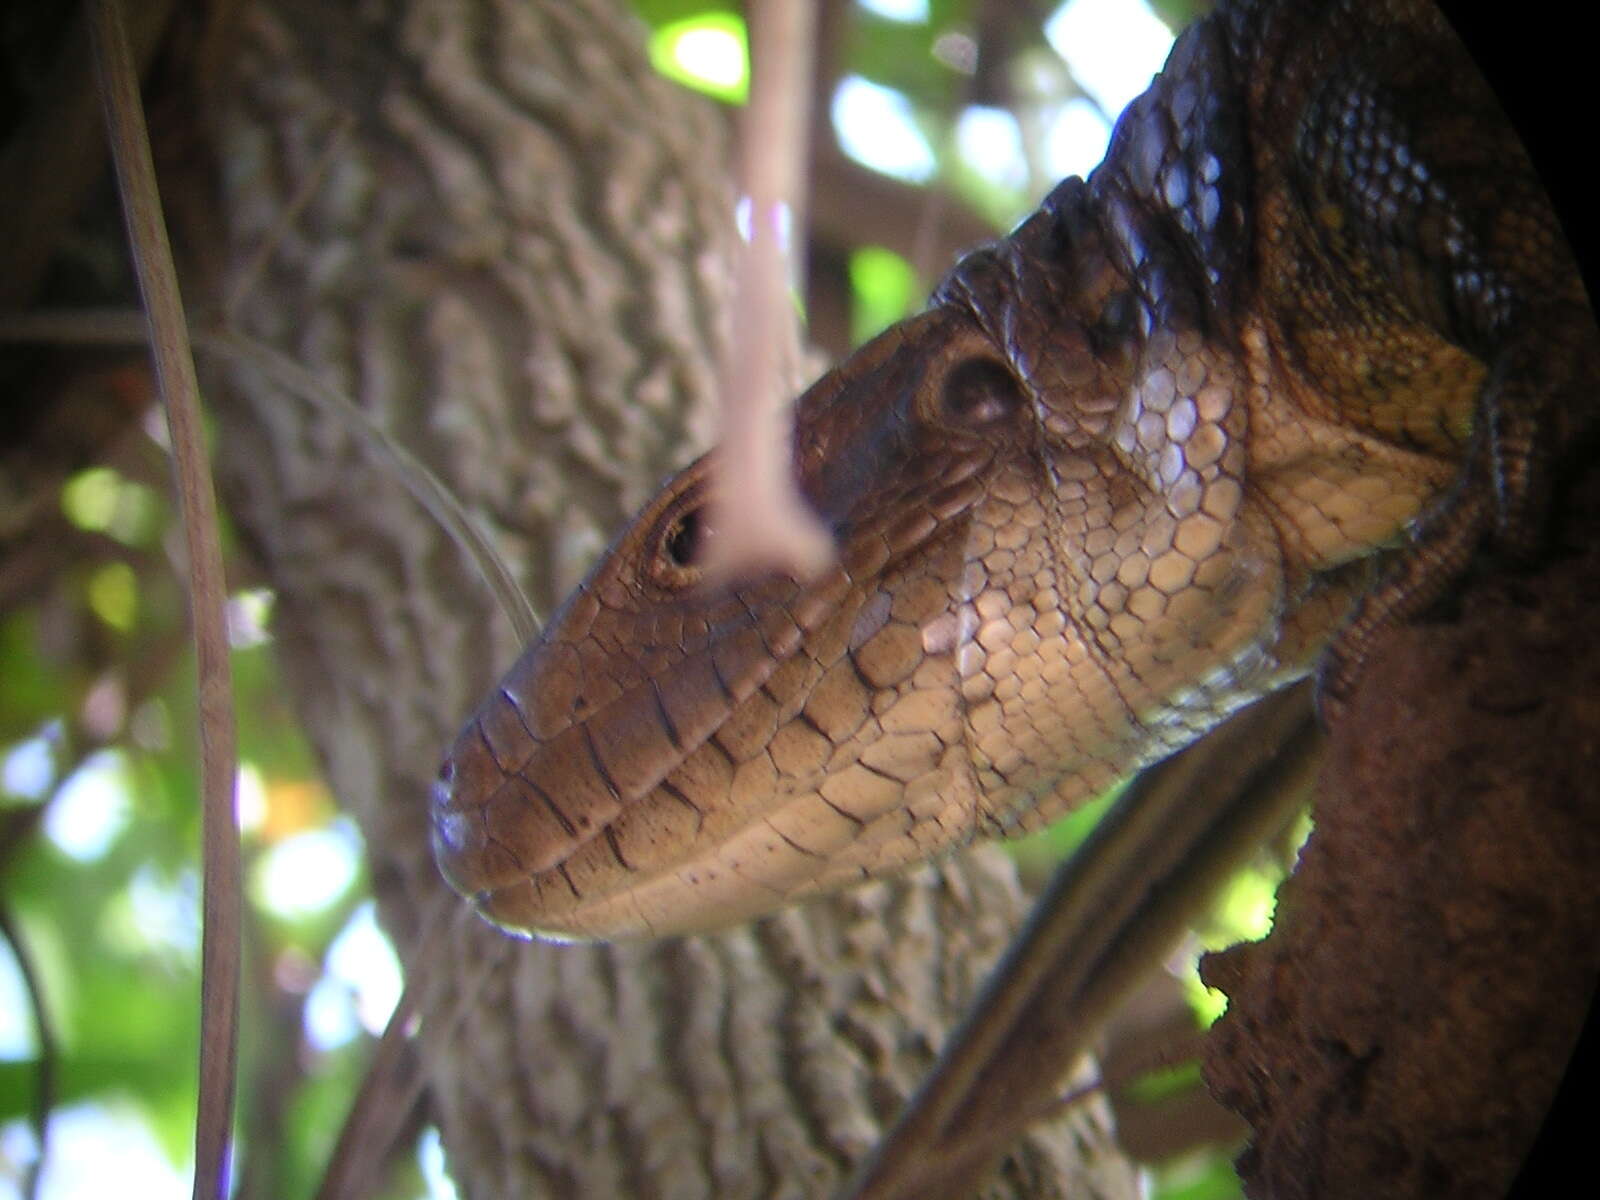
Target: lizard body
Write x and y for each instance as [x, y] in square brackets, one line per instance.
[1123, 476]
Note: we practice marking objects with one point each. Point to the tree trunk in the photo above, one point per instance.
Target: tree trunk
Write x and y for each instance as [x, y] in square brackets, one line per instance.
[1435, 953]
[499, 232]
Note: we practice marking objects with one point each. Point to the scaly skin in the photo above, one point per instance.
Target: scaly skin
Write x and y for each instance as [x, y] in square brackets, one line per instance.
[1123, 476]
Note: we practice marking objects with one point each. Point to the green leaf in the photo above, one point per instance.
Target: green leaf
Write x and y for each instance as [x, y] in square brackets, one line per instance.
[101, 500]
[1155, 1086]
[35, 689]
[708, 52]
[114, 595]
[1202, 1176]
[884, 289]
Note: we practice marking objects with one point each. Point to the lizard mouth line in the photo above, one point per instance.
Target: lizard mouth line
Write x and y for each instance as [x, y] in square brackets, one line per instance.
[766, 759]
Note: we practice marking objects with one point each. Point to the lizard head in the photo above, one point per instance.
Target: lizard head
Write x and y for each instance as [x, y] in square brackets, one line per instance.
[1046, 576]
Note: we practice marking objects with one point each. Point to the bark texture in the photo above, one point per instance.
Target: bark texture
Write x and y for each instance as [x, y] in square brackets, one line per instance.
[1404, 1029]
[495, 228]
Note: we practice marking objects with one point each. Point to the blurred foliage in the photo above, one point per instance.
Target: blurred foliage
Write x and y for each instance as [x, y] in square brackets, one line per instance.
[708, 52]
[1200, 1176]
[100, 859]
[884, 288]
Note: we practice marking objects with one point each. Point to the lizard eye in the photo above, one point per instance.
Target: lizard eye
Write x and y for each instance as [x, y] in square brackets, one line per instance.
[682, 543]
[680, 547]
[980, 391]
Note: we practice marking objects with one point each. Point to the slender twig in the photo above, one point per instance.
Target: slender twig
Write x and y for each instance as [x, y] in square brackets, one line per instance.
[126, 327]
[390, 1088]
[115, 327]
[1113, 910]
[44, 1096]
[759, 519]
[158, 286]
[394, 1079]
[425, 487]
[1168, 1054]
[50, 158]
[247, 277]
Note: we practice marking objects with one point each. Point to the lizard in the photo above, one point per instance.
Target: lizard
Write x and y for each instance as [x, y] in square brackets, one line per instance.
[1311, 323]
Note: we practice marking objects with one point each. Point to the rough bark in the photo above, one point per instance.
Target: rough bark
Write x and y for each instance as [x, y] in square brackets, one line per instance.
[513, 258]
[1403, 1031]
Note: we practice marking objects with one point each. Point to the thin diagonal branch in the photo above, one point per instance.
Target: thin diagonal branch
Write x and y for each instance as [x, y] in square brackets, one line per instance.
[44, 1096]
[158, 286]
[126, 327]
[1112, 910]
[395, 1080]
[439, 501]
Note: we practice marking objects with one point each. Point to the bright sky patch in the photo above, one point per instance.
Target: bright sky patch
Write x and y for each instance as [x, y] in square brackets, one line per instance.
[908, 12]
[1114, 47]
[877, 128]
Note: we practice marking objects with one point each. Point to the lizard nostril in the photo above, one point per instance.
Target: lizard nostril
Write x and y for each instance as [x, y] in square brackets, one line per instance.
[458, 842]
